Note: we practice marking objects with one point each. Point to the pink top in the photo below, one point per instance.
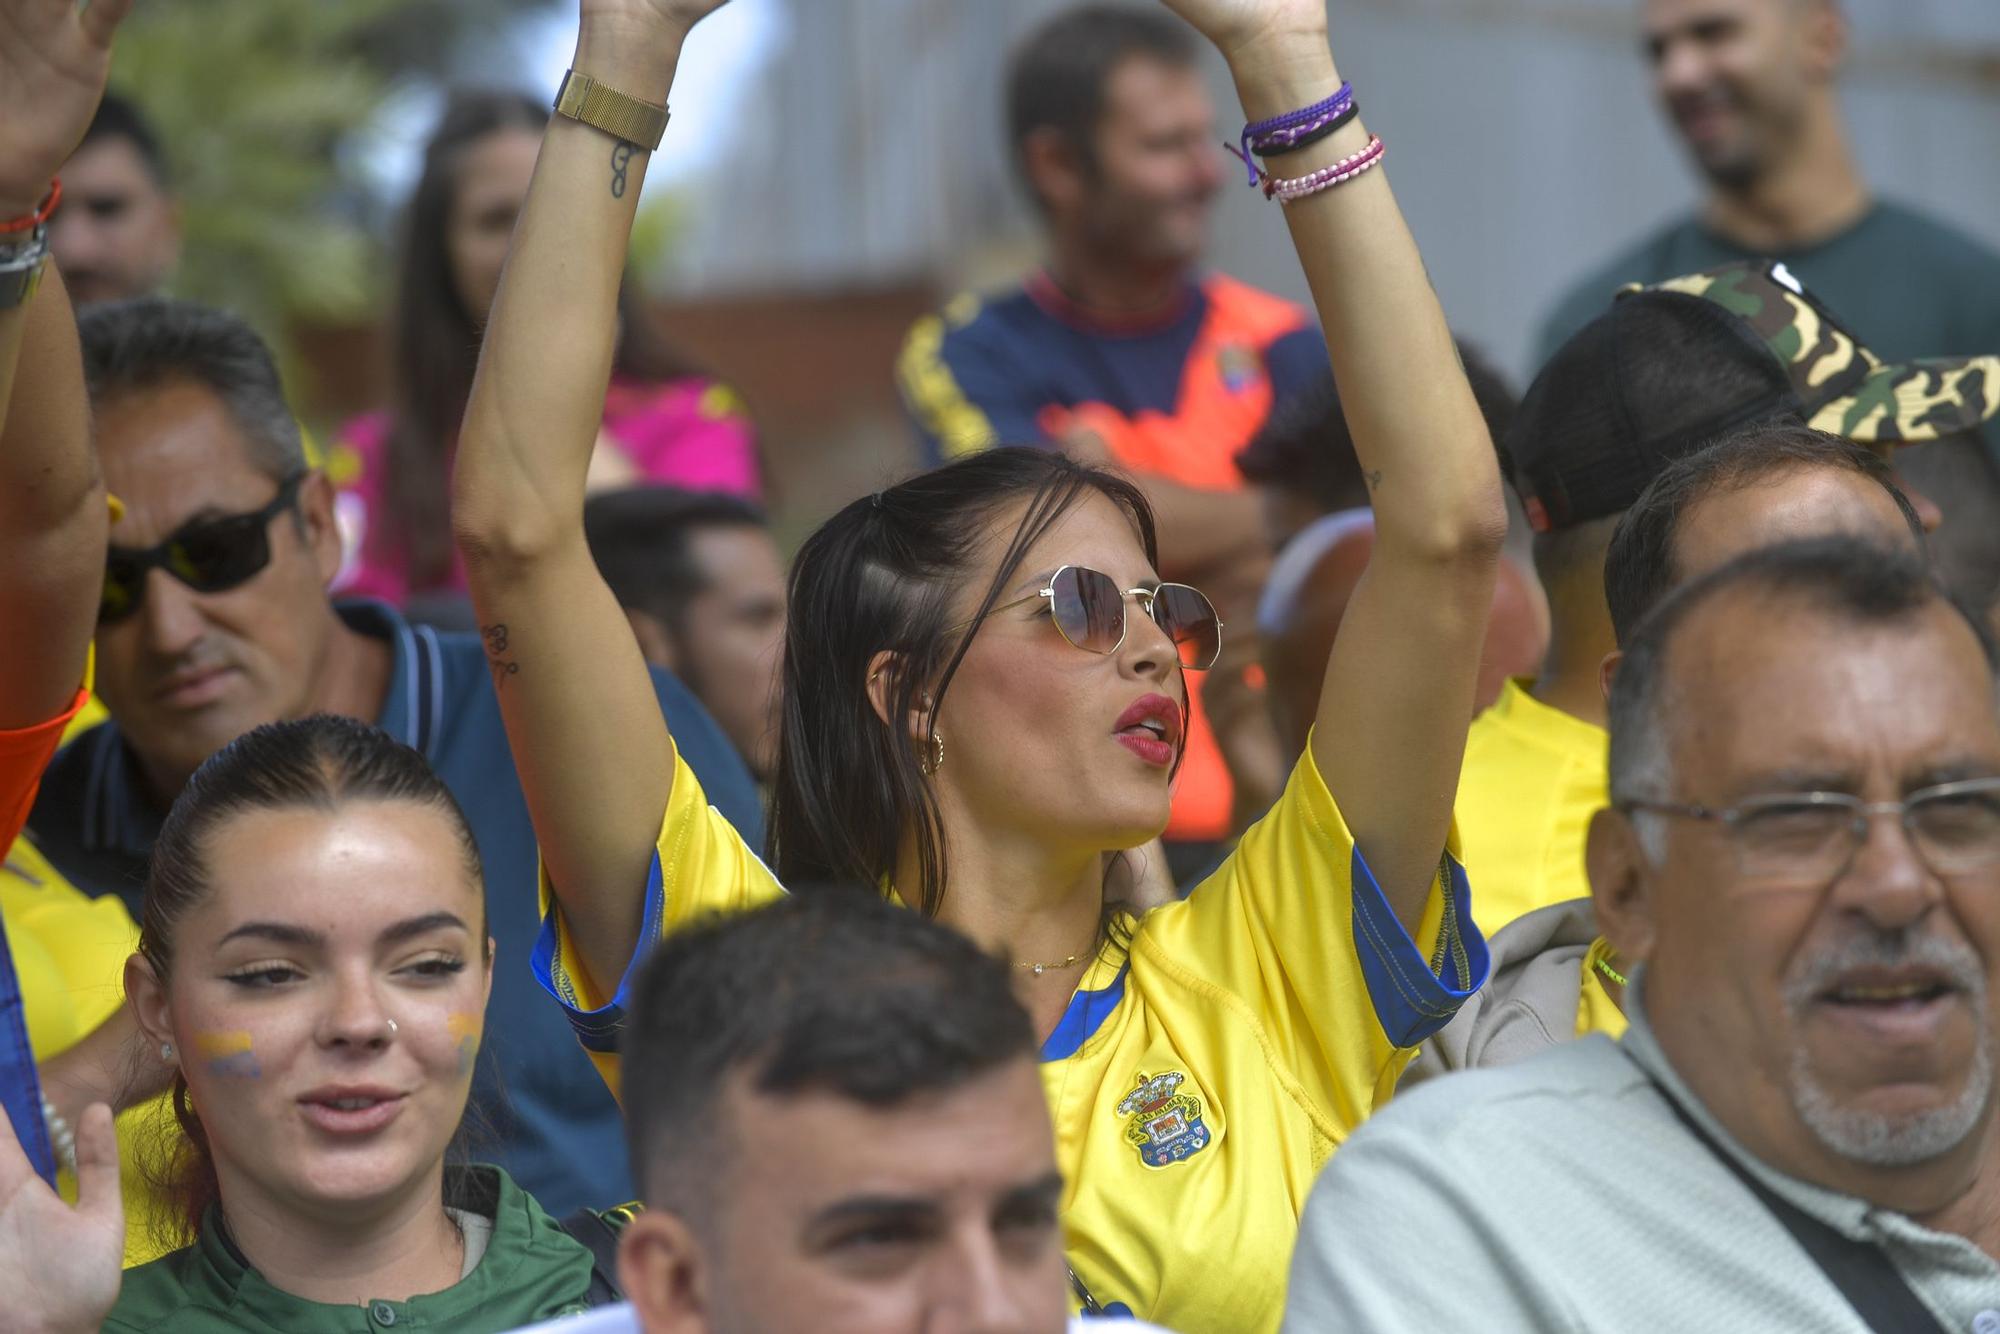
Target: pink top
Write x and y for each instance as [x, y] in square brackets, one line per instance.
[690, 433]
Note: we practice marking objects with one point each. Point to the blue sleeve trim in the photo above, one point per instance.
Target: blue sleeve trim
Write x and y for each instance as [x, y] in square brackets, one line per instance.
[1413, 996]
[599, 1029]
[20, 1088]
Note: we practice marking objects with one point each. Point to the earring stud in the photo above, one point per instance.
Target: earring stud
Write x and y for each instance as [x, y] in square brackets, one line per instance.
[167, 1052]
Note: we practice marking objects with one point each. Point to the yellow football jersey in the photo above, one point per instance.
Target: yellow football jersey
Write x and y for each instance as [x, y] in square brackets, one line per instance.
[1533, 777]
[1201, 1076]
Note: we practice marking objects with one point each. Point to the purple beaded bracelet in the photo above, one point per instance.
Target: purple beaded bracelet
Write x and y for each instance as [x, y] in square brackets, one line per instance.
[1283, 131]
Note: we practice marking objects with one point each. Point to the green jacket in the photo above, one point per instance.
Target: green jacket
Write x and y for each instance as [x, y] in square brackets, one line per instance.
[532, 1270]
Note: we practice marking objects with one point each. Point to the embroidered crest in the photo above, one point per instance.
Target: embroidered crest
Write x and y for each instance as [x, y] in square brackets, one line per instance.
[1239, 367]
[1166, 1126]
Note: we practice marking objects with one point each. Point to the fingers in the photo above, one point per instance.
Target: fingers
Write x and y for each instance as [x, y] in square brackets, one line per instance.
[100, 18]
[97, 1166]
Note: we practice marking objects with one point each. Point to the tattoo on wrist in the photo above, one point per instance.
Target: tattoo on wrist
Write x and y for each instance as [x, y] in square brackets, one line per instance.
[621, 157]
[1374, 476]
[496, 654]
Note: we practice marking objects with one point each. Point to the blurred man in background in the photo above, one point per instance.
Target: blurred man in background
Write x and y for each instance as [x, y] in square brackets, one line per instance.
[1118, 349]
[704, 587]
[118, 232]
[1751, 88]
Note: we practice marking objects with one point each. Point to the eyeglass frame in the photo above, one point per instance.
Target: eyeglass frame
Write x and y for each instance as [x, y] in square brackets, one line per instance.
[156, 557]
[1862, 815]
[1124, 625]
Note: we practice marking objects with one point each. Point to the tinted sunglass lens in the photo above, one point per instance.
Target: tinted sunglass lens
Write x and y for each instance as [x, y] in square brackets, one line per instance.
[220, 556]
[1089, 609]
[120, 596]
[1188, 618]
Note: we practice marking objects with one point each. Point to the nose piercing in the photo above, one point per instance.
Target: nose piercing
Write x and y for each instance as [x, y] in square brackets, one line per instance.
[392, 1028]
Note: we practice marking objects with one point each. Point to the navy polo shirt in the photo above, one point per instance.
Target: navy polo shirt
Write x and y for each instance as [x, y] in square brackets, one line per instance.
[550, 1122]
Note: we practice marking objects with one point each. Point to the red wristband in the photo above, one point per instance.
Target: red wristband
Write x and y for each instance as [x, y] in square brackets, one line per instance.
[39, 216]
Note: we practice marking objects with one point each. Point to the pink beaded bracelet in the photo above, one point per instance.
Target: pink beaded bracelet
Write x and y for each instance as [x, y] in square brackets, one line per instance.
[1295, 188]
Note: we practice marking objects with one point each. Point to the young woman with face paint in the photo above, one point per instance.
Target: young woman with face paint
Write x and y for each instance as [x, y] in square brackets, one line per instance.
[314, 961]
[983, 709]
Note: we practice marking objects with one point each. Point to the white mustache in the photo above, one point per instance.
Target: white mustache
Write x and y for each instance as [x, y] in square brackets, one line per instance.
[1955, 961]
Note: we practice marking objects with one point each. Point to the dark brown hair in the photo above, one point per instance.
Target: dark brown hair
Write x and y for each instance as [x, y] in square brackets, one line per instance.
[320, 763]
[880, 576]
[435, 342]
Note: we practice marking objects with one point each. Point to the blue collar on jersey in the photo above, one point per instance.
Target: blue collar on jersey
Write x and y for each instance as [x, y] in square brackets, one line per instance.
[1086, 1014]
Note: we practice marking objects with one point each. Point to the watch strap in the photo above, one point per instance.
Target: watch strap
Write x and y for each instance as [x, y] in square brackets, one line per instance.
[22, 264]
[619, 115]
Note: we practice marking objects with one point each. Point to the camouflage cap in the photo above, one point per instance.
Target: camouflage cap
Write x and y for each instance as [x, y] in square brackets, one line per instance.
[1843, 388]
[1670, 367]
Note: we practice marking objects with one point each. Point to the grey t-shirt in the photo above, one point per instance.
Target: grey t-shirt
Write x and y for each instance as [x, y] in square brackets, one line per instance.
[1561, 1193]
[1906, 284]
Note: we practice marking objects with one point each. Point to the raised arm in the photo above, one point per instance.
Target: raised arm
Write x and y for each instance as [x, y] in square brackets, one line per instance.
[593, 751]
[53, 63]
[1390, 731]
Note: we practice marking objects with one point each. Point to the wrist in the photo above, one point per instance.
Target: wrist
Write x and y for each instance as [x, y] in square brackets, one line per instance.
[1277, 75]
[635, 60]
[23, 200]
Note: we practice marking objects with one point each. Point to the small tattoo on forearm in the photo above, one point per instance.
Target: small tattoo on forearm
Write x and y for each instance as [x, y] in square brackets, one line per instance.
[496, 654]
[1374, 476]
[621, 157]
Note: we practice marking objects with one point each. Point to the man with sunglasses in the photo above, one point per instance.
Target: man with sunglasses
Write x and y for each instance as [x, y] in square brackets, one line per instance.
[1801, 869]
[214, 618]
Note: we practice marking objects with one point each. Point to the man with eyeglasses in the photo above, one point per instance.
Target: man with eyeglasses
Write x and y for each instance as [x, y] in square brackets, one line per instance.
[214, 618]
[1801, 867]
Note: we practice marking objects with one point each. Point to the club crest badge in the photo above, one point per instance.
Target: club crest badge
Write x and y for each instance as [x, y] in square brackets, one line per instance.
[1239, 367]
[1166, 1124]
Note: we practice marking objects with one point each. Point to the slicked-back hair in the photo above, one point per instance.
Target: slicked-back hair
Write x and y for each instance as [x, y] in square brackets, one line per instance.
[1056, 77]
[1848, 579]
[150, 342]
[837, 990]
[642, 538]
[321, 762]
[1640, 566]
[882, 576]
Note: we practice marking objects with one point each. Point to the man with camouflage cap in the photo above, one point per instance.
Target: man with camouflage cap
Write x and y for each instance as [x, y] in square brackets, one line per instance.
[1665, 371]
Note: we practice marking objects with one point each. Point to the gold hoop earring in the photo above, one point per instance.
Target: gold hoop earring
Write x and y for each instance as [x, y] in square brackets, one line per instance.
[937, 759]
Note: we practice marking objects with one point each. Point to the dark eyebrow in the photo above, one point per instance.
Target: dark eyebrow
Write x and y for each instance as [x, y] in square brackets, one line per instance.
[1045, 1189]
[280, 933]
[417, 926]
[868, 1207]
[284, 933]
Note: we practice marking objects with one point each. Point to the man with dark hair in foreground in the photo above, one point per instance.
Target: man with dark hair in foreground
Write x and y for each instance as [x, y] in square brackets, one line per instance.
[1801, 867]
[836, 1116]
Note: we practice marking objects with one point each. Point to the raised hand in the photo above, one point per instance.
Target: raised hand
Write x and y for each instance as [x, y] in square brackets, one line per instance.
[1239, 26]
[54, 58]
[634, 43]
[59, 1267]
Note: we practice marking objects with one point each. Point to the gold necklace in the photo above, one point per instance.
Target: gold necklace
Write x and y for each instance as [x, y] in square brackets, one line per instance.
[1039, 968]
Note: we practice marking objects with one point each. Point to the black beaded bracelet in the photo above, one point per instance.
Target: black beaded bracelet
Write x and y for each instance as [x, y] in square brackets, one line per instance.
[1286, 141]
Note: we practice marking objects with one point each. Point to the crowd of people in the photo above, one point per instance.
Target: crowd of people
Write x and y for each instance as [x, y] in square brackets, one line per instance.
[1183, 859]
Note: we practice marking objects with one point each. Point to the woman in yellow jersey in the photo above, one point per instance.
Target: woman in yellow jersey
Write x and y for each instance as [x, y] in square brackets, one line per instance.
[984, 697]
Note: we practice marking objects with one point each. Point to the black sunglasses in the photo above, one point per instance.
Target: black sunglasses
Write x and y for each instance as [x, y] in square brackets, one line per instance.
[208, 555]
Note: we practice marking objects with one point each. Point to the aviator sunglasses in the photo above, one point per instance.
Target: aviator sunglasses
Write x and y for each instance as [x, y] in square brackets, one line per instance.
[208, 555]
[1088, 609]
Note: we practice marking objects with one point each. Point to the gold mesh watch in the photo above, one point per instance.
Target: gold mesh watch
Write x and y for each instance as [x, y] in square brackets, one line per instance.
[619, 115]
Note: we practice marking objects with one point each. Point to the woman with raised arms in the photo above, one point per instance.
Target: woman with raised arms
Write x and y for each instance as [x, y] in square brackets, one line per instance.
[984, 699]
